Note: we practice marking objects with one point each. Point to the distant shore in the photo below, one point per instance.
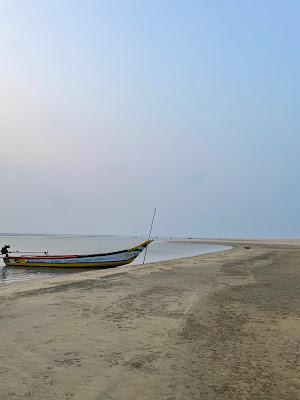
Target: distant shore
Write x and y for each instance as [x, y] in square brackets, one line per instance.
[216, 326]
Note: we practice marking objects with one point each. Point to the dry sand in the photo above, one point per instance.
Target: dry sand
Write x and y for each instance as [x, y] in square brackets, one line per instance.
[217, 326]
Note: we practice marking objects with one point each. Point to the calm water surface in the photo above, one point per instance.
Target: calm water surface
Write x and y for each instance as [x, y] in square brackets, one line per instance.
[159, 250]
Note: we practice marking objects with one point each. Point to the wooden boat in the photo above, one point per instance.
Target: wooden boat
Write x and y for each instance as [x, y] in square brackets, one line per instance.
[104, 260]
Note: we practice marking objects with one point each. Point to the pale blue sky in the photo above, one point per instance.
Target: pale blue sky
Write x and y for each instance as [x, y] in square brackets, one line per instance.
[110, 108]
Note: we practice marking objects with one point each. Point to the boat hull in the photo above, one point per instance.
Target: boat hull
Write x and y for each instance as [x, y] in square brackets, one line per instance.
[106, 260]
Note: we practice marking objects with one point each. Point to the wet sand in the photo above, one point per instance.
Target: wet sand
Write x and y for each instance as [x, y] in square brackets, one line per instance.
[216, 326]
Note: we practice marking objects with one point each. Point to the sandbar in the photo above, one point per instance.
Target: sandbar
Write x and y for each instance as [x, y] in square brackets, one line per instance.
[216, 326]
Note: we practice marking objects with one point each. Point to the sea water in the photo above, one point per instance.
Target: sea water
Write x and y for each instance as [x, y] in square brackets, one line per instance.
[159, 250]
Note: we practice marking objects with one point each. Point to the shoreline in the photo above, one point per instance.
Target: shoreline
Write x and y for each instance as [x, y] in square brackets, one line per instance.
[222, 325]
[95, 272]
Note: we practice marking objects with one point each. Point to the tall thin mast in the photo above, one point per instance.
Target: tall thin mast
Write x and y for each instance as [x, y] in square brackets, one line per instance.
[149, 234]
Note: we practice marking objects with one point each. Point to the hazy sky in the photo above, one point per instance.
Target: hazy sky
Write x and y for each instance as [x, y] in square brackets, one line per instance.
[110, 108]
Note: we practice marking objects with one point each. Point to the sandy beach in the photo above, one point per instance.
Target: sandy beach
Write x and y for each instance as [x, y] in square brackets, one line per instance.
[217, 326]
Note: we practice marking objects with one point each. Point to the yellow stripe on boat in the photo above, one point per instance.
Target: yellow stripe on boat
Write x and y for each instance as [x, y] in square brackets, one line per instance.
[75, 265]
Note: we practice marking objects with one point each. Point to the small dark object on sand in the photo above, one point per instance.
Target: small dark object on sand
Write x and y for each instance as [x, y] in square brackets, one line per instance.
[247, 247]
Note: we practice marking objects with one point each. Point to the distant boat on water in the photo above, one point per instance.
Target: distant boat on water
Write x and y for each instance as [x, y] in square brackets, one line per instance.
[103, 260]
